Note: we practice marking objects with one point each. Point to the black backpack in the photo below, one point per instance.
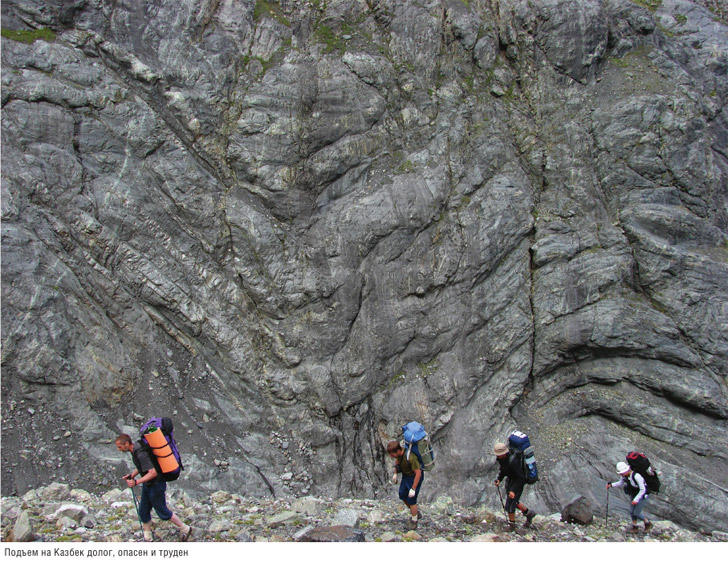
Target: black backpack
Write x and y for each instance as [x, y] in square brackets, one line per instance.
[640, 464]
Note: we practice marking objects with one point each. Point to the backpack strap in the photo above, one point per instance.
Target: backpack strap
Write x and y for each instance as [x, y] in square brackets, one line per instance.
[143, 446]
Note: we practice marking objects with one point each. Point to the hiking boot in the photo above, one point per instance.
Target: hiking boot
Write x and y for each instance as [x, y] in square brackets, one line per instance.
[184, 535]
[529, 518]
[412, 524]
[633, 530]
[511, 526]
[648, 526]
[148, 536]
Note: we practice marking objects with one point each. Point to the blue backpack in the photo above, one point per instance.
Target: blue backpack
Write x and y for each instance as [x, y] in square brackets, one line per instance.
[416, 440]
[520, 446]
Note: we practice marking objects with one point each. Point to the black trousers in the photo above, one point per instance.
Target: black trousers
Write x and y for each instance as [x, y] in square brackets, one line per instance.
[512, 503]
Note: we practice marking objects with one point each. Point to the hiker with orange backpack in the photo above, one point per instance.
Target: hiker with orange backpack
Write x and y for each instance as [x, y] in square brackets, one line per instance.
[153, 488]
[635, 487]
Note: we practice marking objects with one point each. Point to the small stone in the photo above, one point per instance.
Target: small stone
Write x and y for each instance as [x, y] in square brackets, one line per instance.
[56, 491]
[116, 495]
[10, 511]
[334, 534]
[220, 526]
[302, 532]
[346, 517]
[486, 516]
[220, 497]
[497, 90]
[308, 505]
[66, 523]
[74, 511]
[443, 505]
[23, 530]
[81, 496]
[376, 516]
[87, 522]
[284, 518]
[486, 538]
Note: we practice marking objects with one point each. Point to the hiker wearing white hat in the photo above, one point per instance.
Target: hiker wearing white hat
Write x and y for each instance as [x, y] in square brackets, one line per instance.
[636, 488]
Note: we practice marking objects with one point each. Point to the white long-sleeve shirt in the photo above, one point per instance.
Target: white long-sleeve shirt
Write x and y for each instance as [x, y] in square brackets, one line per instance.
[636, 481]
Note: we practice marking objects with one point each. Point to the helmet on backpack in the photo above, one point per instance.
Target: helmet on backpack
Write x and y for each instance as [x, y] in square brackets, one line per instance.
[622, 468]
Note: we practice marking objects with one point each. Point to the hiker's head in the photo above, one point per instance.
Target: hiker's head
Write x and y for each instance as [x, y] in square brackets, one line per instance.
[394, 449]
[500, 450]
[623, 468]
[124, 443]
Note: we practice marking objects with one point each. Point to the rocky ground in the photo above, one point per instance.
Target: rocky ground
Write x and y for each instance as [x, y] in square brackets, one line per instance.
[57, 513]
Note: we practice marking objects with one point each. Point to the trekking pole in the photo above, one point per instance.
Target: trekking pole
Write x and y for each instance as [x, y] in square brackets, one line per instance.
[606, 517]
[136, 504]
[502, 503]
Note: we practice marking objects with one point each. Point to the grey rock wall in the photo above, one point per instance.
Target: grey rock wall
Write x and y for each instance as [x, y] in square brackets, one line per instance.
[295, 226]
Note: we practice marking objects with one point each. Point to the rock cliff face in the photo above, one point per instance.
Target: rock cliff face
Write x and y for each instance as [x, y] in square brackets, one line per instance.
[294, 226]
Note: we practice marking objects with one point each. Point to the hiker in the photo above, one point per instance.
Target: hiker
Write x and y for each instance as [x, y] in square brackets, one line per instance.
[635, 487]
[511, 468]
[153, 488]
[412, 477]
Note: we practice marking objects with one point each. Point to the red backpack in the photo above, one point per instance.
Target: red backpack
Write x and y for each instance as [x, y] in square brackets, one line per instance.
[640, 464]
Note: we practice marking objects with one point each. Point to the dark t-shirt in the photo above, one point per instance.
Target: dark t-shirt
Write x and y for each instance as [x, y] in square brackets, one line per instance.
[511, 467]
[408, 467]
[143, 461]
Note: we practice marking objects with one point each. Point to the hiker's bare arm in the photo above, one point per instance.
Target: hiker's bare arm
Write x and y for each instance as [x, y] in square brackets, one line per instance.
[418, 476]
[151, 474]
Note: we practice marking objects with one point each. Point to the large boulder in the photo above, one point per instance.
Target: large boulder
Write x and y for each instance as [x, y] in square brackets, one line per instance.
[578, 511]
